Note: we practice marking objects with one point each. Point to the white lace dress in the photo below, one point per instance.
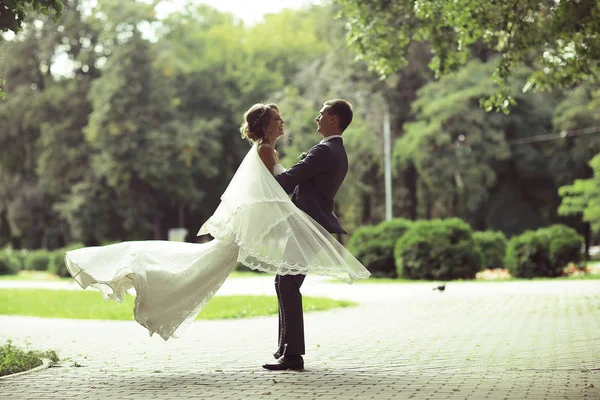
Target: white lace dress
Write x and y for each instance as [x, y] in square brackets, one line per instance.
[256, 224]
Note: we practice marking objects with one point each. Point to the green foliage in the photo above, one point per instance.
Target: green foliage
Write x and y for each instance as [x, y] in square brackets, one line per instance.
[454, 145]
[373, 246]
[37, 260]
[493, 248]
[14, 359]
[13, 13]
[139, 134]
[364, 244]
[57, 264]
[583, 197]
[438, 250]
[565, 245]
[559, 38]
[465, 164]
[10, 263]
[91, 305]
[543, 253]
[578, 111]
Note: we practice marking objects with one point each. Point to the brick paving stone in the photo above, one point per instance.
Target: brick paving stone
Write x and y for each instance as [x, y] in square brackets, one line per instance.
[509, 340]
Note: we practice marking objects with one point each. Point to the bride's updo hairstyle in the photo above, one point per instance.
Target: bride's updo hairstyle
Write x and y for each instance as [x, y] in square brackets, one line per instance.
[256, 120]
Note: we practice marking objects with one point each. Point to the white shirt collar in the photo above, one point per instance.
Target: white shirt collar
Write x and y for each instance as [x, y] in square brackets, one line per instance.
[329, 138]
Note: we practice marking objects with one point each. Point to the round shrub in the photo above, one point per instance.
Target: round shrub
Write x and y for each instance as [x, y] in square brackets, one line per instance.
[438, 250]
[527, 256]
[10, 263]
[493, 247]
[543, 253]
[565, 245]
[57, 264]
[37, 260]
[373, 246]
[365, 245]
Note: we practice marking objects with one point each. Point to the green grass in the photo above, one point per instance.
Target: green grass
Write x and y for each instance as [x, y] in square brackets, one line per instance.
[403, 281]
[76, 304]
[47, 276]
[34, 276]
[14, 359]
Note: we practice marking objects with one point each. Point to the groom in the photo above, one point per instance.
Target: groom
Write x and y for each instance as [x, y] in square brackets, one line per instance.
[314, 181]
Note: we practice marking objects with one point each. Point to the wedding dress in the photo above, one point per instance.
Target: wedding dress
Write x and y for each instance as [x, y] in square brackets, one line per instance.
[255, 224]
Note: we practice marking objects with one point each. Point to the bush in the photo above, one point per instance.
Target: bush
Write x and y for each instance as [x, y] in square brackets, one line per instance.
[493, 248]
[565, 245]
[57, 264]
[543, 253]
[10, 263]
[527, 256]
[438, 250]
[37, 260]
[373, 246]
[14, 359]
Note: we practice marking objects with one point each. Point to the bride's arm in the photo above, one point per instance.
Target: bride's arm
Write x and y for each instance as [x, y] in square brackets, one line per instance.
[267, 155]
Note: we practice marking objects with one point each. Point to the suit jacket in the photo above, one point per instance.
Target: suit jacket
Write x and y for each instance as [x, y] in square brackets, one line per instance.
[315, 180]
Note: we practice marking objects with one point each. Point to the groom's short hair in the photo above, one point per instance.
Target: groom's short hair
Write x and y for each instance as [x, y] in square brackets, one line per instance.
[341, 109]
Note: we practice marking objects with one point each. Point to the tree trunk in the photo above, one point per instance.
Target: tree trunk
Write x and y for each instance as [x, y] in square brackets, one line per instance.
[587, 237]
[410, 177]
[365, 218]
[181, 215]
[156, 228]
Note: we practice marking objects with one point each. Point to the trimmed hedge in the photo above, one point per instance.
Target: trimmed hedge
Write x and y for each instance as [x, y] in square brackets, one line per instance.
[493, 247]
[37, 260]
[373, 246]
[543, 253]
[57, 264]
[438, 250]
[10, 262]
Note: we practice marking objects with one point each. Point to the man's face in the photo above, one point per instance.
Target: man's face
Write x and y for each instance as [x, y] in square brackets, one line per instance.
[325, 121]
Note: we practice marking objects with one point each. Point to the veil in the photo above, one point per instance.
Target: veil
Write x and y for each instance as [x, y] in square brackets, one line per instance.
[273, 234]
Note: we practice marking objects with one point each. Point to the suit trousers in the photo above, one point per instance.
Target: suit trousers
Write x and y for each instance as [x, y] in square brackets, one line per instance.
[291, 319]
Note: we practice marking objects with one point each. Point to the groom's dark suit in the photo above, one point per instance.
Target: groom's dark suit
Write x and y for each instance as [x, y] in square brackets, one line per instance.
[314, 182]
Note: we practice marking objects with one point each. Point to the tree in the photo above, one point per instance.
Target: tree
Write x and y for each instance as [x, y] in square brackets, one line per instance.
[569, 156]
[557, 38]
[471, 164]
[583, 197]
[13, 13]
[454, 145]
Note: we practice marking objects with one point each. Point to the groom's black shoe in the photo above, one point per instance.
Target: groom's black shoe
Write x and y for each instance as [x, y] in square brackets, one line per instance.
[286, 362]
[277, 355]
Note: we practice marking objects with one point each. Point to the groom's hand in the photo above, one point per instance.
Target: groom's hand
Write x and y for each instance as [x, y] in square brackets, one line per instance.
[317, 161]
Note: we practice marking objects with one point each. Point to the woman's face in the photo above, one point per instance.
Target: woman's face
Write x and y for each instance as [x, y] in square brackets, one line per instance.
[274, 129]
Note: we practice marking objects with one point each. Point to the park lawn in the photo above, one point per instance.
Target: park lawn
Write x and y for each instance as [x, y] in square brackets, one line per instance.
[77, 304]
[47, 276]
[33, 276]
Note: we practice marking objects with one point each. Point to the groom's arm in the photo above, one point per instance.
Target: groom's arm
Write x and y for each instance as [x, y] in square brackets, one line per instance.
[316, 162]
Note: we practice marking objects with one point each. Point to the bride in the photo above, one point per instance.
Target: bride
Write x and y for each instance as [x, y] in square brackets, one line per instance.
[255, 224]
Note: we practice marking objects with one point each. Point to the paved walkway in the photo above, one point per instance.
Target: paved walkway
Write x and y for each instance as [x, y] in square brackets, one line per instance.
[517, 340]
